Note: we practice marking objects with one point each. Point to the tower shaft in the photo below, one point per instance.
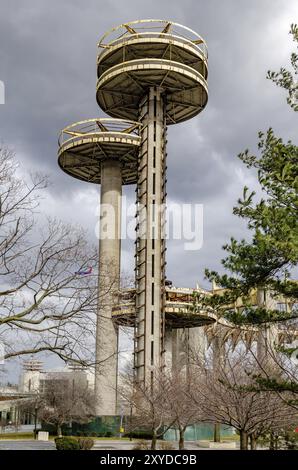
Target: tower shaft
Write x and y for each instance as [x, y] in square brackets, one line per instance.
[267, 333]
[150, 243]
[109, 284]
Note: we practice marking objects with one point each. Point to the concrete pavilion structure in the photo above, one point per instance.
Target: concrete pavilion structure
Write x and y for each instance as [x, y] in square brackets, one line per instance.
[151, 74]
[154, 72]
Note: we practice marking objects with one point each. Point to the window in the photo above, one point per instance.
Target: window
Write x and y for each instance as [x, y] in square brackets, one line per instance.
[152, 322]
[153, 184]
[152, 353]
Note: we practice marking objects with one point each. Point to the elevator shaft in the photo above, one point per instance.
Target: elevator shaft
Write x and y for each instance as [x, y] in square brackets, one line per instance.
[150, 241]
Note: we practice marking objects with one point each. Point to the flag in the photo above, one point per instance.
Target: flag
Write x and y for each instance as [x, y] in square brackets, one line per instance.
[83, 273]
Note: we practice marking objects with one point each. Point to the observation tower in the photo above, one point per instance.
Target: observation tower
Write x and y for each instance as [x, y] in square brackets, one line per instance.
[151, 74]
[104, 151]
[154, 72]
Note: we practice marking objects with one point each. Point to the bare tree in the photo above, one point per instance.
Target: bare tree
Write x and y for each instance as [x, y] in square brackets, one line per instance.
[62, 401]
[181, 410]
[227, 397]
[277, 368]
[148, 405]
[44, 304]
[31, 407]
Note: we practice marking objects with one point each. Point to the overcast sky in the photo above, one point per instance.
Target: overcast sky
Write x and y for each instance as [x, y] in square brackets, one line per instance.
[48, 64]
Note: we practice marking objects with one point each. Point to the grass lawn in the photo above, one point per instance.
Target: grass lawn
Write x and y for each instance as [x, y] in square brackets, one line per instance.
[233, 437]
[18, 435]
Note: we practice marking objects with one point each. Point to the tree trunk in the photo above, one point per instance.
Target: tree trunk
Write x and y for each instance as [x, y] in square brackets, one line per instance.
[181, 439]
[253, 442]
[243, 440]
[59, 430]
[216, 433]
[35, 424]
[154, 441]
[271, 443]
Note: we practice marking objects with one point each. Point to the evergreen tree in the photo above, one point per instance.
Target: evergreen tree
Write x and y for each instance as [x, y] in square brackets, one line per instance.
[269, 258]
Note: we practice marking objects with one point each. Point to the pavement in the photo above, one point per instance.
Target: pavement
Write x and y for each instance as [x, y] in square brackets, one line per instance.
[128, 445]
[98, 445]
[5, 444]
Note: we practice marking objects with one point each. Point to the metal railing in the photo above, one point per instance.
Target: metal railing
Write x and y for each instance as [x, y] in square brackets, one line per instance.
[95, 126]
[154, 29]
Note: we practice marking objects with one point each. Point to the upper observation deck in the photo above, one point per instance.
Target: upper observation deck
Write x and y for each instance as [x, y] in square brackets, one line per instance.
[141, 54]
[85, 144]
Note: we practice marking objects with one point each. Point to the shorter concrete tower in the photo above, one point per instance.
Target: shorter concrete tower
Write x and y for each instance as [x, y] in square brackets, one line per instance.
[104, 151]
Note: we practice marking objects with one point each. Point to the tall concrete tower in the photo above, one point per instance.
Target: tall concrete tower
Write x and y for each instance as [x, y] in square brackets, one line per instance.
[104, 151]
[154, 72]
[151, 73]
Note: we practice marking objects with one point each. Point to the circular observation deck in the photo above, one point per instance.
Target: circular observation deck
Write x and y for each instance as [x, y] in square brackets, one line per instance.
[178, 312]
[85, 144]
[138, 55]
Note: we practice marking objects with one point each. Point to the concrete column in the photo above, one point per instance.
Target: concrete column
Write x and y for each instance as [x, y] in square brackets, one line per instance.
[196, 347]
[109, 283]
[267, 339]
[150, 244]
[218, 351]
[175, 353]
[184, 348]
[168, 349]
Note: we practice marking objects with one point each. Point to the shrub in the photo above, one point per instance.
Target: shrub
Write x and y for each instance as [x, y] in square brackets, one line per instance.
[291, 440]
[67, 443]
[142, 445]
[109, 434]
[141, 435]
[164, 445]
[85, 443]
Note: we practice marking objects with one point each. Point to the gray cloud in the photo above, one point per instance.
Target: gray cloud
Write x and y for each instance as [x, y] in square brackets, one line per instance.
[47, 62]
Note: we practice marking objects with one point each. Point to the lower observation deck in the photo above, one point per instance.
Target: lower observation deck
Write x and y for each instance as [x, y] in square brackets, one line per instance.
[178, 310]
[84, 145]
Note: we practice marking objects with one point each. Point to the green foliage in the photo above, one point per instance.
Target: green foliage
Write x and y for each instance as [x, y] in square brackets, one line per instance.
[67, 443]
[286, 79]
[273, 384]
[73, 443]
[138, 434]
[284, 439]
[267, 260]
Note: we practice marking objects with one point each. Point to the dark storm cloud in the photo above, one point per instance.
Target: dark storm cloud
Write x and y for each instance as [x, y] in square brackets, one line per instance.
[47, 62]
